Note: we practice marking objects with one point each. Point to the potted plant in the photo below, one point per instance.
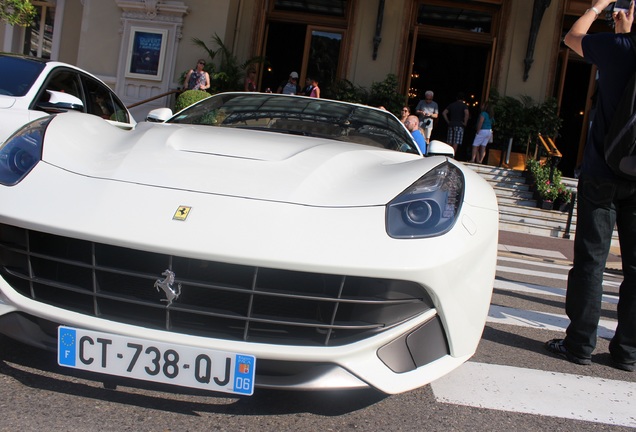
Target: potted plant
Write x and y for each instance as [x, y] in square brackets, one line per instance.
[533, 169]
[548, 192]
[517, 125]
[563, 199]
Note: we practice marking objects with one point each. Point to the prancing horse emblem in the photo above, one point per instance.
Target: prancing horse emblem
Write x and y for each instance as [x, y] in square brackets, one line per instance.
[166, 286]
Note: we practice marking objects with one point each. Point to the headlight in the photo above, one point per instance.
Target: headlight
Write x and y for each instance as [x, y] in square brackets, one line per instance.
[429, 207]
[22, 151]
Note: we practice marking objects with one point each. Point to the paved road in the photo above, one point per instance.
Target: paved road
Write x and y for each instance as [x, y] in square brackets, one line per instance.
[512, 383]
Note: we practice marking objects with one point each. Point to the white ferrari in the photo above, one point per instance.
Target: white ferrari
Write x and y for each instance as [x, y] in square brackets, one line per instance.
[249, 241]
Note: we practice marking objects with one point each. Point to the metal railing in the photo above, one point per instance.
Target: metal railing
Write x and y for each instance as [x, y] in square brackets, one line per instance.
[168, 93]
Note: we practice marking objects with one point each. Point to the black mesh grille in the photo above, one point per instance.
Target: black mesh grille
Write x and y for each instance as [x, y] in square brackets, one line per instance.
[219, 300]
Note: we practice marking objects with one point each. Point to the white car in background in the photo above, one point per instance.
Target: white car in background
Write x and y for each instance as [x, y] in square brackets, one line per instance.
[31, 88]
[249, 241]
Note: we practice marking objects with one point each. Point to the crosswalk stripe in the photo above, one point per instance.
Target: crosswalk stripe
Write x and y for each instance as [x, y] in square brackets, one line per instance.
[556, 276]
[534, 391]
[529, 288]
[532, 251]
[541, 320]
[531, 391]
[565, 267]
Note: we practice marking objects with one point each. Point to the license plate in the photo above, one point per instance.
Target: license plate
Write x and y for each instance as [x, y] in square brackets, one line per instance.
[156, 361]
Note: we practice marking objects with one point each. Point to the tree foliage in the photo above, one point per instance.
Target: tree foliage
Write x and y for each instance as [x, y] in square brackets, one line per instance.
[230, 70]
[17, 12]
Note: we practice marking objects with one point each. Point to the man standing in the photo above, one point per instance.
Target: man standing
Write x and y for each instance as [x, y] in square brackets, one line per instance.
[604, 200]
[427, 110]
[290, 86]
[456, 115]
[412, 123]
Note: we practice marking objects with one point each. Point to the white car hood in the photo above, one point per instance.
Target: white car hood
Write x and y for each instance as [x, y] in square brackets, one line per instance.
[6, 102]
[233, 162]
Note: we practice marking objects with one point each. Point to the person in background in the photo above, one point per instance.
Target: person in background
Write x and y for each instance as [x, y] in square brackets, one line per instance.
[604, 200]
[315, 90]
[412, 123]
[290, 86]
[308, 87]
[484, 134]
[456, 115]
[427, 110]
[250, 80]
[197, 78]
[405, 113]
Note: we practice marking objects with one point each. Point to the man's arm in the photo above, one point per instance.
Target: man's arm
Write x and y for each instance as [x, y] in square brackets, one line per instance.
[579, 30]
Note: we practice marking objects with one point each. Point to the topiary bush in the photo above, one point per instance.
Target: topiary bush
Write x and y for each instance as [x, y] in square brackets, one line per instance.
[189, 97]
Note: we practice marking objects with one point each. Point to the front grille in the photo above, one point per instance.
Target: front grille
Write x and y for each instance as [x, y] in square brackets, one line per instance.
[219, 300]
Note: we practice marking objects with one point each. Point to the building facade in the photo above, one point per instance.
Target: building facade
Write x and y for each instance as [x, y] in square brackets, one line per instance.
[142, 47]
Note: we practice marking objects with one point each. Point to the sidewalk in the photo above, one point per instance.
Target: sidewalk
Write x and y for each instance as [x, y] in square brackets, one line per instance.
[557, 249]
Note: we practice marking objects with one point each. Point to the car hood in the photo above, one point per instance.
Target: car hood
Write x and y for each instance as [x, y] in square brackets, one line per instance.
[233, 162]
[6, 102]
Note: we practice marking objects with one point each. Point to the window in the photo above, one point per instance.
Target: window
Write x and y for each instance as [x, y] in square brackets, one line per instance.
[17, 75]
[319, 7]
[455, 17]
[38, 38]
[101, 102]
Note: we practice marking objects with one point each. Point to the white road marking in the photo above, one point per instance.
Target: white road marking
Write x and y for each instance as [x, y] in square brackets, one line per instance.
[537, 273]
[531, 251]
[564, 267]
[529, 288]
[539, 392]
[541, 320]
[531, 391]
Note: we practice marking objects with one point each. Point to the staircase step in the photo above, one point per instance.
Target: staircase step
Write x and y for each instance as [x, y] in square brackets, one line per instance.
[518, 211]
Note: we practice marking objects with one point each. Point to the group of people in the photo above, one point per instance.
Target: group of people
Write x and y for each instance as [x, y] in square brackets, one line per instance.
[456, 116]
[198, 79]
[292, 87]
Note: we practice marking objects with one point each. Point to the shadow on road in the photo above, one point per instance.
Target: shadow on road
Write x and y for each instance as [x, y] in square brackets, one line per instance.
[37, 369]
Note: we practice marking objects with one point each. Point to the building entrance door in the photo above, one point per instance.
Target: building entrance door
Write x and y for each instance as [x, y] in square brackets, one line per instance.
[452, 49]
[448, 68]
[311, 51]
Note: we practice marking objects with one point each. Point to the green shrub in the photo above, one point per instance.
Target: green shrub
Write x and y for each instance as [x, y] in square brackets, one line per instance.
[548, 190]
[344, 90]
[384, 93]
[189, 97]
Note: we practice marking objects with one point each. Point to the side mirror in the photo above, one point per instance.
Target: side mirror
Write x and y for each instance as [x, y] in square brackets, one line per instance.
[439, 148]
[61, 102]
[159, 115]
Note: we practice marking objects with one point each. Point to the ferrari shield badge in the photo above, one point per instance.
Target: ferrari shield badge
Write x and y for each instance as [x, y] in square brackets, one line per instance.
[181, 213]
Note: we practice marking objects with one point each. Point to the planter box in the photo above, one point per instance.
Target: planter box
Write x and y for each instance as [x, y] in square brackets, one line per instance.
[545, 205]
[517, 160]
[561, 206]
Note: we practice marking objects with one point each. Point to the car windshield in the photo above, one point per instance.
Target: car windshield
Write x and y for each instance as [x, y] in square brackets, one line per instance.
[297, 115]
[17, 75]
